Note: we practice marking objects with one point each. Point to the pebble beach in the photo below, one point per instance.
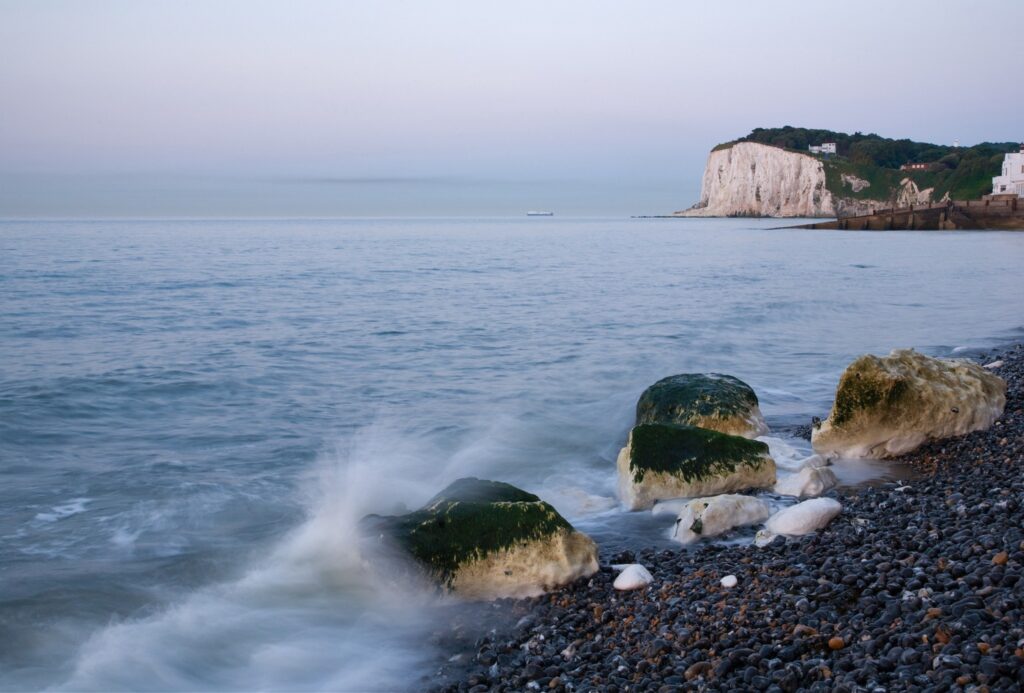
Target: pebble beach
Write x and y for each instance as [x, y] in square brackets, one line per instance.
[915, 586]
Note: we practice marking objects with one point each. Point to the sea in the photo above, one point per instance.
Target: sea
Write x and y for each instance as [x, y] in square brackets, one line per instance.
[195, 414]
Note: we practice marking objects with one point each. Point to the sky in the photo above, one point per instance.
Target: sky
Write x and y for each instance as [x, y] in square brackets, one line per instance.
[320, 108]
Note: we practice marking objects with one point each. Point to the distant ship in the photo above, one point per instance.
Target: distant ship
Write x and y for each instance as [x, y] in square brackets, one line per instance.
[540, 214]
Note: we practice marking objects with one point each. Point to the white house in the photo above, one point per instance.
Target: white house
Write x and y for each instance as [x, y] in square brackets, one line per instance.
[823, 148]
[1012, 180]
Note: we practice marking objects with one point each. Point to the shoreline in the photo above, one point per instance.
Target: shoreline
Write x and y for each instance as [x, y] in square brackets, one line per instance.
[913, 586]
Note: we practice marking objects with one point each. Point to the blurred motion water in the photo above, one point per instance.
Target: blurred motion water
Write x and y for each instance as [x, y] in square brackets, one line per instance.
[193, 414]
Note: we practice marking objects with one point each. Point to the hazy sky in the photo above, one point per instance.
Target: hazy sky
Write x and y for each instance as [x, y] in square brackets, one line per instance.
[631, 93]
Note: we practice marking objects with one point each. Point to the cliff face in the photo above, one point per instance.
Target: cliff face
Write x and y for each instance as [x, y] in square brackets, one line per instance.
[751, 179]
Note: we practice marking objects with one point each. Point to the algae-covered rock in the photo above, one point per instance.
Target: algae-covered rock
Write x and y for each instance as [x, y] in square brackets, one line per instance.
[713, 401]
[662, 461]
[887, 406]
[487, 539]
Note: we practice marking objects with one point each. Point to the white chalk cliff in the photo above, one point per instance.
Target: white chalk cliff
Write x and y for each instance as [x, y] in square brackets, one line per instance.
[758, 180]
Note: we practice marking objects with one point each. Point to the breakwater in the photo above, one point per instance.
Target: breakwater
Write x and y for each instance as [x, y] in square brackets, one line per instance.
[1007, 215]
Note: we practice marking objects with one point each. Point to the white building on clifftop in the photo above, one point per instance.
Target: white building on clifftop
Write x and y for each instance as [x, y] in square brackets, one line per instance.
[823, 148]
[1012, 180]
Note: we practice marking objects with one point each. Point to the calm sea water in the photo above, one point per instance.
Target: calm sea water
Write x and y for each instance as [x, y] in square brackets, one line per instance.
[193, 414]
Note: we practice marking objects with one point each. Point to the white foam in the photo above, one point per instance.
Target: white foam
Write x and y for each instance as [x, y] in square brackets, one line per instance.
[59, 512]
[309, 614]
[790, 454]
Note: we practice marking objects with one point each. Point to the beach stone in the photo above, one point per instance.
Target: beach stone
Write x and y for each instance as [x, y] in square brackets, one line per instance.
[707, 517]
[487, 540]
[632, 577]
[809, 482]
[887, 406]
[708, 400]
[797, 520]
[729, 581]
[913, 584]
[664, 461]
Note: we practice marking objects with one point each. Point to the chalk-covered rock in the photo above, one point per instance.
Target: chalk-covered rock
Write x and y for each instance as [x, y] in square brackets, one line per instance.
[709, 400]
[663, 461]
[708, 517]
[887, 406]
[797, 520]
[809, 482]
[760, 180]
[633, 577]
[487, 539]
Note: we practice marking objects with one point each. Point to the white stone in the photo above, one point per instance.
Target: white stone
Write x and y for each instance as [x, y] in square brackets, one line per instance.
[633, 577]
[797, 520]
[729, 581]
[993, 365]
[709, 517]
[809, 482]
[887, 406]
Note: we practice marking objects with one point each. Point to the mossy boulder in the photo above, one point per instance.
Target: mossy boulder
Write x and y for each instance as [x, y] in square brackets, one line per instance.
[487, 539]
[708, 400]
[662, 461]
[887, 406]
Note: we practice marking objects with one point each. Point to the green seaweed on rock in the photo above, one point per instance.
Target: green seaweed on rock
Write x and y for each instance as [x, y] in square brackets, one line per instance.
[691, 452]
[689, 397]
[470, 520]
[862, 388]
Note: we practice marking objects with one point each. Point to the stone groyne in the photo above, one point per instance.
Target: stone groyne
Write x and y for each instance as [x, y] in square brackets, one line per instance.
[1007, 215]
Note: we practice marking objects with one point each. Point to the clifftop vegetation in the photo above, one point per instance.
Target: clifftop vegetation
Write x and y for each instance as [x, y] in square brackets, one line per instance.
[964, 173]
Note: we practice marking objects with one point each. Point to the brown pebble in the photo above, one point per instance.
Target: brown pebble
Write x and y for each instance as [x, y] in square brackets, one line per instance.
[554, 683]
[933, 612]
[836, 643]
[698, 669]
[983, 647]
[1000, 558]
[963, 680]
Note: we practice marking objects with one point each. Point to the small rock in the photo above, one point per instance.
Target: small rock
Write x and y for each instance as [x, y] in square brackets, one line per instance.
[1000, 558]
[633, 577]
[836, 643]
[696, 670]
[729, 581]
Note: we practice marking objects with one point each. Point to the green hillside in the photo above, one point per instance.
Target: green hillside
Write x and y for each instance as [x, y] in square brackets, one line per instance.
[963, 172]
